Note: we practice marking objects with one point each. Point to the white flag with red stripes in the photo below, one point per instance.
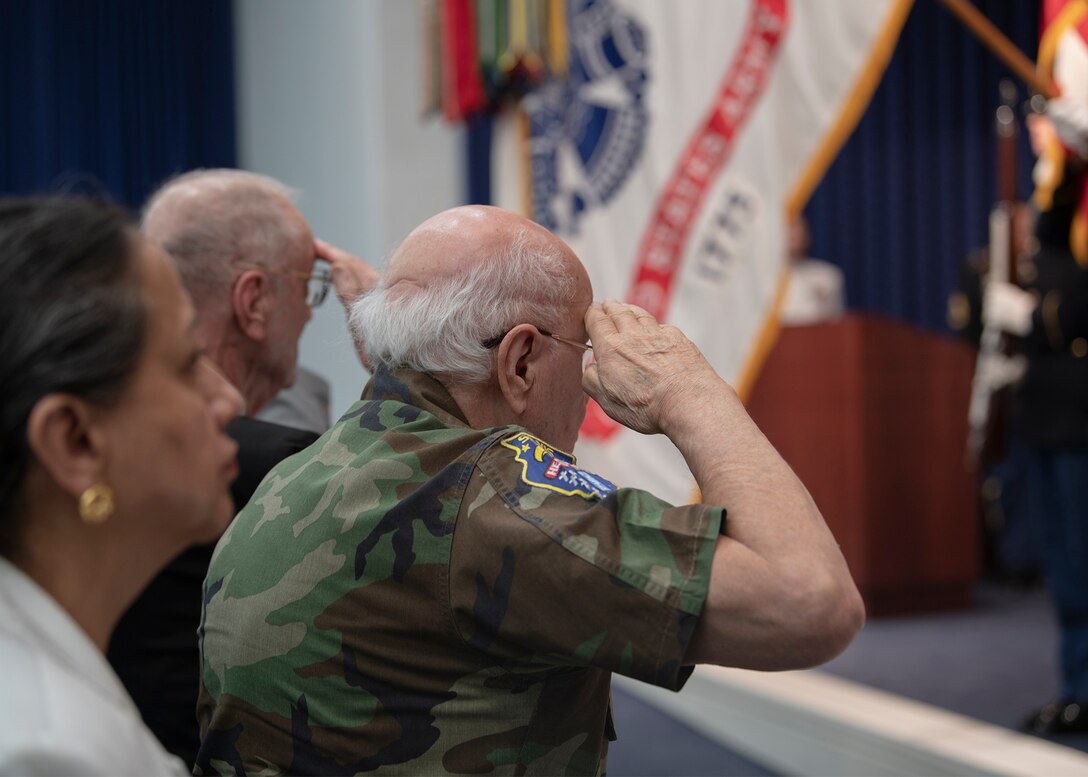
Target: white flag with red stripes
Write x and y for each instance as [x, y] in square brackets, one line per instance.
[671, 159]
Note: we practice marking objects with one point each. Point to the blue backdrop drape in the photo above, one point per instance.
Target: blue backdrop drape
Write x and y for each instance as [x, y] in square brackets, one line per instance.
[909, 195]
[113, 96]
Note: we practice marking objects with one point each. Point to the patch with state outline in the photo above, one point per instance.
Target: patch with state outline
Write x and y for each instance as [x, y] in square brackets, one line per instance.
[546, 467]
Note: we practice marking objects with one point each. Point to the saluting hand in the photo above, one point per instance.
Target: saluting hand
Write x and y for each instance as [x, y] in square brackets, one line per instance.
[644, 374]
[352, 278]
[350, 275]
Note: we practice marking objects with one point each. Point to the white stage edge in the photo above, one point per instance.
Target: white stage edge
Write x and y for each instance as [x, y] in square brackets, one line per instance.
[811, 723]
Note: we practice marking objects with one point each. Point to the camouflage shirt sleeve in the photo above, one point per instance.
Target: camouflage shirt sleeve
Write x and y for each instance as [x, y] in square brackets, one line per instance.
[553, 565]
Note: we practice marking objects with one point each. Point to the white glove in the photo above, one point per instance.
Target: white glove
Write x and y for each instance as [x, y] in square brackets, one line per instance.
[996, 370]
[1008, 307]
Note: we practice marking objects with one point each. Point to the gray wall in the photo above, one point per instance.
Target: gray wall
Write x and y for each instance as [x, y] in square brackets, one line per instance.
[329, 101]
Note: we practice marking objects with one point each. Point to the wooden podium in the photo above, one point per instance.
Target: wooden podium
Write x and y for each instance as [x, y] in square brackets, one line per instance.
[872, 416]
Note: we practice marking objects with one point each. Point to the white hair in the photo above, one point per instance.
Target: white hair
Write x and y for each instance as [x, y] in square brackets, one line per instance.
[440, 327]
[210, 220]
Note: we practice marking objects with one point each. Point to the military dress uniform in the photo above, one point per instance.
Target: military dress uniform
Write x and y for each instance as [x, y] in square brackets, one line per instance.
[413, 596]
[1051, 417]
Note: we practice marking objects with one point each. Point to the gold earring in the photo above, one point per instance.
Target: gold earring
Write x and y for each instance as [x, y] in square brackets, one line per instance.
[96, 503]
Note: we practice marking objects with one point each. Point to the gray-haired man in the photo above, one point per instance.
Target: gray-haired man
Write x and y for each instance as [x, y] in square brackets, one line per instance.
[253, 268]
[437, 587]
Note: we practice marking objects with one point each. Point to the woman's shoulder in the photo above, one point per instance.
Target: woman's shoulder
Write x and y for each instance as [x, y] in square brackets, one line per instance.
[61, 720]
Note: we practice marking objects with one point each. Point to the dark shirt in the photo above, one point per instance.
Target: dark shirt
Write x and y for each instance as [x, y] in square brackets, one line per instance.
[1051, 408]
[154, 647]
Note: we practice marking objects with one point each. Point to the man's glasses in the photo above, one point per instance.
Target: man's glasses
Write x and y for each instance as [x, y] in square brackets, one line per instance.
[317, 285]
[494, 341]
[318, 280]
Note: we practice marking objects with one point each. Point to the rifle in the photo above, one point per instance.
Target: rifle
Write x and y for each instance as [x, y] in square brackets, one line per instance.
[996, 367]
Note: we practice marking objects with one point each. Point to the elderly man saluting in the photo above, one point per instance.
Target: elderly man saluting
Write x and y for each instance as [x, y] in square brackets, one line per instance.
[435, 587]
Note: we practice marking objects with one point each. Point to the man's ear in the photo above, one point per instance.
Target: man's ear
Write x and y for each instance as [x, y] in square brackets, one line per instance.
[67, 442]
[249, 298]
[516, 369]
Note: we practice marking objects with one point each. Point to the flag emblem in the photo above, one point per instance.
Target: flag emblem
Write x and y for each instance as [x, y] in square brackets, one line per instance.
[543, 466]
[589, 130]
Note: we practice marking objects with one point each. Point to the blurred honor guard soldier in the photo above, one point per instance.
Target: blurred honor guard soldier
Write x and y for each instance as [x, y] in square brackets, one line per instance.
[435, 586]
[1052, 317]
[247, 256]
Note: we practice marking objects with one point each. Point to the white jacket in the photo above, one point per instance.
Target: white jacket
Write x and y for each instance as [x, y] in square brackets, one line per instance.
[62, 708]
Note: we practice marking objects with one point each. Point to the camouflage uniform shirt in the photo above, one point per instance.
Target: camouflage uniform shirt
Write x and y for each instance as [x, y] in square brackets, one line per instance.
[412, 596]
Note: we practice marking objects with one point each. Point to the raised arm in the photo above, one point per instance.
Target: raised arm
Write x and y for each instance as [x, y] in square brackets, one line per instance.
[352, 277]
[781, 596]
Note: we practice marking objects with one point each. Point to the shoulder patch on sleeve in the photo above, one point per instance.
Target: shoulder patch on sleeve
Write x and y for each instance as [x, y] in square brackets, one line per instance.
[546, 467]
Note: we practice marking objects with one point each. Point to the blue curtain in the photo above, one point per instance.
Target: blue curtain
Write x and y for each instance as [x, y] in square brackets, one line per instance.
[110, 97]
[909, 195]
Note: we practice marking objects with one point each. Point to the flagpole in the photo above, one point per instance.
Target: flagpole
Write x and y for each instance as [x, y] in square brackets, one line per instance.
[1003, 48]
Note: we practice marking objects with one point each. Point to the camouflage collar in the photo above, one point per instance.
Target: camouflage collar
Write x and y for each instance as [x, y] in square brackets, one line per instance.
[417, 389]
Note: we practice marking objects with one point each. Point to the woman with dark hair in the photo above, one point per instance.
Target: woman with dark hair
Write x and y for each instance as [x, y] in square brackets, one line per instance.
[113, 459]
